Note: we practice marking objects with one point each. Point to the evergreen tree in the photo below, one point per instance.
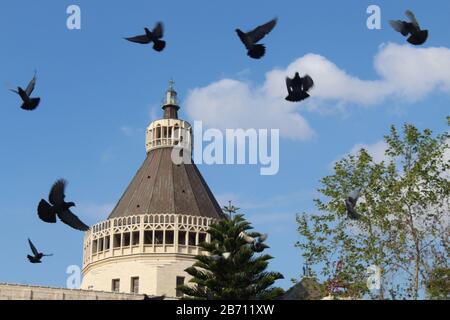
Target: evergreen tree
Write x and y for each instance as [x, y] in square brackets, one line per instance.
[229, 268]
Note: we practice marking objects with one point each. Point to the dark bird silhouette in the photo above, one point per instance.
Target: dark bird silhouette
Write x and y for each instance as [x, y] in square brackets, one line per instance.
[37, 256]
[58, 207]
[251, 39]
[417, 36]
[154, 36]
[350, 205]
[29, 103]
[298, 87]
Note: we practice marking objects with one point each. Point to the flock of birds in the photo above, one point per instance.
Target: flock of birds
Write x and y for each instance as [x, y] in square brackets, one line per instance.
[298, 89]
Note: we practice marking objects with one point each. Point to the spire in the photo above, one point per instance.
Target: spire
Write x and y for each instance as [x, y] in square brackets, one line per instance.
[170, 105]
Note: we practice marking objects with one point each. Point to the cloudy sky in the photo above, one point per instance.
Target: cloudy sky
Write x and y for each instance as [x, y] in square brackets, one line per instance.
[99, 93]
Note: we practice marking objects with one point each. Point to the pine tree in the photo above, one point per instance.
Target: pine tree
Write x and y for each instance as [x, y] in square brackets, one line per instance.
[228, 268]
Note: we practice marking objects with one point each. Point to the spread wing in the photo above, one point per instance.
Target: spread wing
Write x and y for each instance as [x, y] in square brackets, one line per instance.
[33, 248]
[412, 18]
[158, 32]
[399, 26]
[261, 31]
[289, 84]
[57, 196]
[30, 88]
[139, 39]
[307, 83]
[72, 220]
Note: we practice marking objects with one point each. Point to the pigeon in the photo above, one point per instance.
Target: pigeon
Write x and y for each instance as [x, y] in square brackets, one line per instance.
[256, 244]
[350, 204]
[259, 247]
[58, 207]
[251, 39]
[412, 28]
[298, 87]
[154, 36]
[37, 256]
[29, 103]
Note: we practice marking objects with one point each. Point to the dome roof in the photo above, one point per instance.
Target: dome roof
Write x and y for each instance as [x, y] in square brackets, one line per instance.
[160, 186]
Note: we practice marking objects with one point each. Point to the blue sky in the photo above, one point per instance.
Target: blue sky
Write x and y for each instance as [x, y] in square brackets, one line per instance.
[100, 92]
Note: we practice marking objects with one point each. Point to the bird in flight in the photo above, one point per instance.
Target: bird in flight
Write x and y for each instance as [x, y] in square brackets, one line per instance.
[154, 36]
[37, 256]
[257, 242]
[251, 39]
[298, 87]
[350, 205]
[417, 36]
[58, 207]
[29, 103]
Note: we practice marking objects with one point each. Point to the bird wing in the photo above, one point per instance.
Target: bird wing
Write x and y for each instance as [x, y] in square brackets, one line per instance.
[33, 248]
[246, 237]
[263, 237]
[57, 196]
[158, 31]
[289, 84]
[139, 39]
[72, 220]
[261, 31]
[30, 88]
[412, 18]
[307, 83]
[46, 213]
[399, 26]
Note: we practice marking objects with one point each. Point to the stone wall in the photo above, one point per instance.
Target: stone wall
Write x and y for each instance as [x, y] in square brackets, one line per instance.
[25, 292]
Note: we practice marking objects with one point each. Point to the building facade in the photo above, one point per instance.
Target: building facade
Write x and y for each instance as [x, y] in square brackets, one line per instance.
[153, 233]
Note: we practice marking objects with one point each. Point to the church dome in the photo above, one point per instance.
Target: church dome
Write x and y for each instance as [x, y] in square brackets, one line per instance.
[153, 233]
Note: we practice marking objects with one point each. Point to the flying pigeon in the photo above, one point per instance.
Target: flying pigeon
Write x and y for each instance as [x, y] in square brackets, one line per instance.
[412, 28]
[350, 204]
[154, 36]
[298, 87]
[29, 103]
[58, 207]
[251, 39]
[256, 244]
[37, 256]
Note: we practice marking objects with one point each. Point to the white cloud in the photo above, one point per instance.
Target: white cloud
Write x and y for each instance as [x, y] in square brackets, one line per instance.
[228, 104]
[376, 150]
[405, 73]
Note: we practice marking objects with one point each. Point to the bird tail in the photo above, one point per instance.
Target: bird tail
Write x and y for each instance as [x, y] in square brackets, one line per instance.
[32, 104]
[257, 51]
[297, 97]
[30, 258]
[46, 212]
[159, 45]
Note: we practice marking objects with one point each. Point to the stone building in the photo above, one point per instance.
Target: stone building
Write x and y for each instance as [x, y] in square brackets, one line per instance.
[152, 235]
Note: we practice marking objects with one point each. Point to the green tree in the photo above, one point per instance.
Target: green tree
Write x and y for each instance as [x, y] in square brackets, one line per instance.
[438, 284]
[405, 225]
[229, 269]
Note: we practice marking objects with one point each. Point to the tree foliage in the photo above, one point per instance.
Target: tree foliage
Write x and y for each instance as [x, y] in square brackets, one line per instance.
[241, 276]
[405, 225]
